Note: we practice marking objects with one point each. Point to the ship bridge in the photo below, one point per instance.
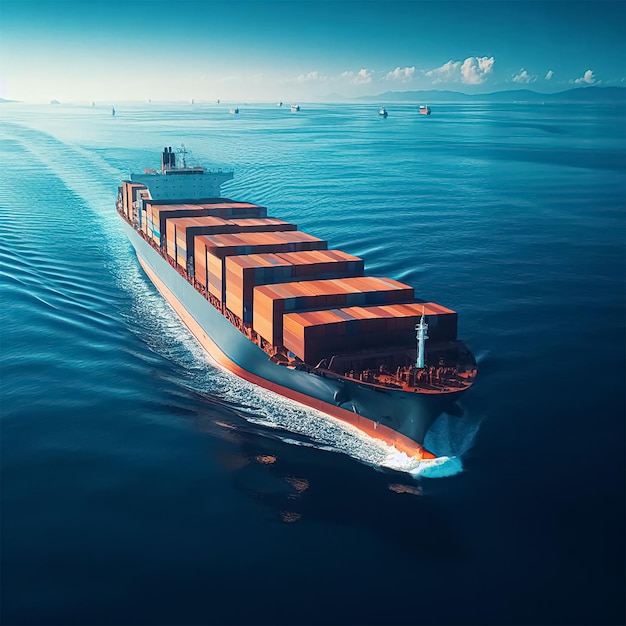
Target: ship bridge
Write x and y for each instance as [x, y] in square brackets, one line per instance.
[176, 180]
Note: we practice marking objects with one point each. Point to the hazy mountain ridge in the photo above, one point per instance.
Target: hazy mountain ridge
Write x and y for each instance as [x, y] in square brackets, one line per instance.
[579, 94]
[590, 94]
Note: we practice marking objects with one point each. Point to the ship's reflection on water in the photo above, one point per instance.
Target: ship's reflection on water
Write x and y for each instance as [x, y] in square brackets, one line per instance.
[400, 488]
[303, 484]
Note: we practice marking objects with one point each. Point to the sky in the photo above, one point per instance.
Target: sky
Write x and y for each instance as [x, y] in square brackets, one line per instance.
[303, 50]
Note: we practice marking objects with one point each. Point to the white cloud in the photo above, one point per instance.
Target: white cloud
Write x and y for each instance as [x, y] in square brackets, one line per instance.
[524, 77]
[549, 75]
[309, 77]
[303, 78]
[447, 72]
[362, 77]
[588, 78]
[474, 70]
[403, 74]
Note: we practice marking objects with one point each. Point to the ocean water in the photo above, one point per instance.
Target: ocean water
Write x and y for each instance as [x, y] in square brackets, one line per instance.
[142, 485]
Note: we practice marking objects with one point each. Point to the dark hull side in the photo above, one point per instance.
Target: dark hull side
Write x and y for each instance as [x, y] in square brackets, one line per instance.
[397, 417]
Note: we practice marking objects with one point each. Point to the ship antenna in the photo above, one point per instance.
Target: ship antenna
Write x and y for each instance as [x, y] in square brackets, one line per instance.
[421, 329]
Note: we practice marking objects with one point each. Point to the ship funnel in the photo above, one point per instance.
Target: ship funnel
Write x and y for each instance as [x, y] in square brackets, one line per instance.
[172, 158]
[165, 160]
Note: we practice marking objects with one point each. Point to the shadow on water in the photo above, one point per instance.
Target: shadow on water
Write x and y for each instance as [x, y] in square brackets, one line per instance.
[302, 483]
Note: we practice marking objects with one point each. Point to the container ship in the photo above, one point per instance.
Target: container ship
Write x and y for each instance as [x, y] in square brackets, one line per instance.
[279, 308]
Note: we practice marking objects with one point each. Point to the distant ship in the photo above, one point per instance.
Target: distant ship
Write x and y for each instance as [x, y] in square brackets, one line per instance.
[234, 111]
[113, 111]
[279, 309]
[295, 107]
[424, 110]
[383, 112]
[280, 103]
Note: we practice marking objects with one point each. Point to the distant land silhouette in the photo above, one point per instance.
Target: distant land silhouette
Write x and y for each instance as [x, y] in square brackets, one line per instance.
[590, 94]
[611, 95]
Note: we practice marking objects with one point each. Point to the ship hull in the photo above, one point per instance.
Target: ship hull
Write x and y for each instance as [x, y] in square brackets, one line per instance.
[399, 418]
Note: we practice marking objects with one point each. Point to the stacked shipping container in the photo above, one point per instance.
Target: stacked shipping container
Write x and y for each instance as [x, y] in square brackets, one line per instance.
[268, 224]
[297, 293]
[180, 232]
[158, 213]
[315, 335]
[270, 302]
[129, 195]
[211, 250]
[243, 273]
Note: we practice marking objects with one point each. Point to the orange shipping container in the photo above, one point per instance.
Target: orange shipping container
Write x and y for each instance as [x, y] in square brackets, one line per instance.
[180, 233]
[266, 224]
[243, 273]
[129, 195]
[262, 242]
[223, 246]
[162, 210]
[271, 301]
[313, 336]
[201, 272]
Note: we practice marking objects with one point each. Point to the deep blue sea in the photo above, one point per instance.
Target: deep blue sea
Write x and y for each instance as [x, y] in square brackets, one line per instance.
[142, 486]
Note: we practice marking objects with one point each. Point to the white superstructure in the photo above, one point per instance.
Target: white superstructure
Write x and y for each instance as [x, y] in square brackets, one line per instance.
[176, 181]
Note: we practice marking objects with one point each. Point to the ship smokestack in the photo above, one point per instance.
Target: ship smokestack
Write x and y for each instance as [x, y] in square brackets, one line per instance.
[172, 158]
[165, 160]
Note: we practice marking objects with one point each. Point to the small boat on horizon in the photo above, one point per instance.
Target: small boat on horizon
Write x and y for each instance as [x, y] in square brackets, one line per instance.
[234, 111]
[383, 112]
[424, 110]
[113, 112]
[295, 107]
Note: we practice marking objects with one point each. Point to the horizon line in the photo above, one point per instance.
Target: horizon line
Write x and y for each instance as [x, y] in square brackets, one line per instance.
[330, 98]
